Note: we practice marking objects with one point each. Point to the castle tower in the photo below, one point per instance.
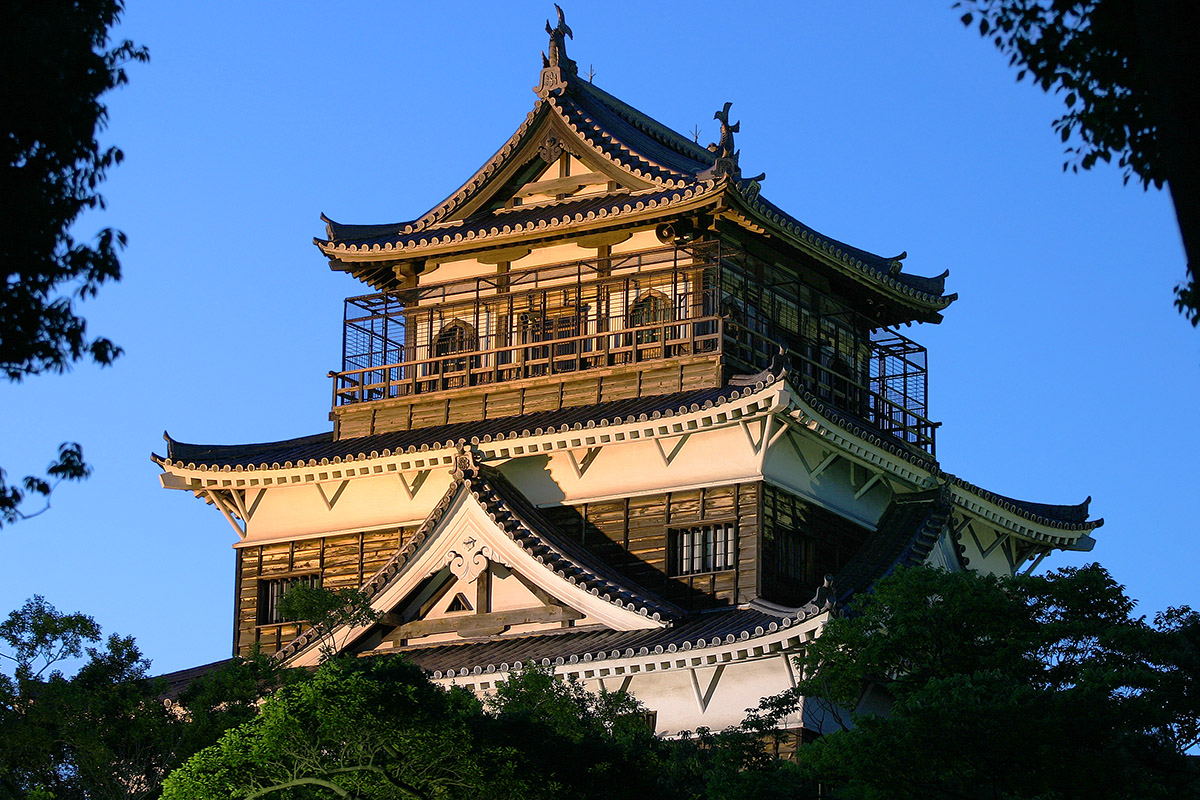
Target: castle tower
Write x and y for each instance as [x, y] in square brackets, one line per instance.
[609, 409]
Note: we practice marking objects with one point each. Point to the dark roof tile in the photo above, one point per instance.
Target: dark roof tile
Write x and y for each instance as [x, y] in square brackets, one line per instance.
[907, 532]
[324, 446]
[598, 644]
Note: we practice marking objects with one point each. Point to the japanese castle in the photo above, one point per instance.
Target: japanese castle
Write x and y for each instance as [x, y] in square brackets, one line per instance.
[608, 409]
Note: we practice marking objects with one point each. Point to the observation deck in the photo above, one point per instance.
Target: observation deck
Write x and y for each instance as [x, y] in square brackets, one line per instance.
[617, 327]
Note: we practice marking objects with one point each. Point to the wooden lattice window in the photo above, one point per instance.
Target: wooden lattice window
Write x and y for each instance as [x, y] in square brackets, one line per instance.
[651, 308]
[270, 591]
[702, 548]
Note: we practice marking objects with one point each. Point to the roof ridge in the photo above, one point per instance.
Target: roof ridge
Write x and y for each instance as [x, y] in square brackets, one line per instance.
[659, 131]
[597, 128]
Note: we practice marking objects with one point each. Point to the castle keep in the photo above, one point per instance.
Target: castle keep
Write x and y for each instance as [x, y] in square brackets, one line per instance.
[607, 408]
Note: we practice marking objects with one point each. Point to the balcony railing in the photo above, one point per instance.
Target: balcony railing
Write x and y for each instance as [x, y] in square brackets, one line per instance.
[534, 360]
[644, 307]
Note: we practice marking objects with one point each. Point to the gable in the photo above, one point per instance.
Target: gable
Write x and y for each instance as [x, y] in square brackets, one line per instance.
[481, 569]
[554, 163]
[494, 601]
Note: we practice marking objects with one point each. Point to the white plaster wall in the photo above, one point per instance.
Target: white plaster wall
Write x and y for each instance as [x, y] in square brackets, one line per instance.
[790, 464]
[708, 457]
[641, 240]
[377, 500]
[979, 538]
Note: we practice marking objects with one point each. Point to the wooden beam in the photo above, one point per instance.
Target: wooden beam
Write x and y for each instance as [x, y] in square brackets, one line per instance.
[866, 487]
[223, 507]
[566, 185]
[483, 591]
[824, 465]
[467, 625]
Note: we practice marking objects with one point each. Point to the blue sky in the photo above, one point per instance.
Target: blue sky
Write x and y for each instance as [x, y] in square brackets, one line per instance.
[1061, 372]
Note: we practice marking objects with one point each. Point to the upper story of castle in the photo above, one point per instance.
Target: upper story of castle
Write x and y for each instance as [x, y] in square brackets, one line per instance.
[599, 255]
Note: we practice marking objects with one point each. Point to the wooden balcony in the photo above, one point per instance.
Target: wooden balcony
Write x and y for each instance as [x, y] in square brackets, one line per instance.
[648, 323]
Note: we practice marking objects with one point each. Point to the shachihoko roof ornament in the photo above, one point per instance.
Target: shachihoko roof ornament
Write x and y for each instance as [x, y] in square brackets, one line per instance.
[727, 155]
[558, 62]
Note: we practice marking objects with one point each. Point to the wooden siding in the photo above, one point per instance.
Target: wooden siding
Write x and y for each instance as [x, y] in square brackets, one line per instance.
[632, 536]
[344, 560]
[548, 393]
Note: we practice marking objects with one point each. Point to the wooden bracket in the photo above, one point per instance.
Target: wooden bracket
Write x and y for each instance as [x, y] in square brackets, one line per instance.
[825, 464]
[224, 506]
[669, 457]
[418, 481]
[331, 500]
[704, 697]
[580, 465]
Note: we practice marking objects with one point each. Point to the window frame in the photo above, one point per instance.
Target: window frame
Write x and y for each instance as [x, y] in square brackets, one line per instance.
[266, 611]
[717, 554]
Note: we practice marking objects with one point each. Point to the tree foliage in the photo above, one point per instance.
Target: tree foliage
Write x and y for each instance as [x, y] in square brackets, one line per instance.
[968, 686]
[374, 728]
[326, 611]
[106, 731]
[59, 63]
[1088, 51]
[580, 744]
[367, 728]
[1122, 102]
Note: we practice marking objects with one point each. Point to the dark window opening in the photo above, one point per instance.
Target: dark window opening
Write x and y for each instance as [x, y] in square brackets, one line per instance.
[459, 603]
[652, 308]
[455, 337]
[802, 544]
[271, 591]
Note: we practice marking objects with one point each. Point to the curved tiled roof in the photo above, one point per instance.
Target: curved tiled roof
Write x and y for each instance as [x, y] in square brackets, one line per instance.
[1066, 517]
[863, 429]
[520, 521]
[548, 217]
[676, 169]
[699, 632]
[324, 448]
[885, 271]
[905, 536]
[906, 533]
[645, 149]
[590, 95]
[1061, 517]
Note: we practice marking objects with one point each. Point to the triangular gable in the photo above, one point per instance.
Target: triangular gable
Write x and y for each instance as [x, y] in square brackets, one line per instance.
[480, 523]
[606, 137]
[496, 600]
[554, 160]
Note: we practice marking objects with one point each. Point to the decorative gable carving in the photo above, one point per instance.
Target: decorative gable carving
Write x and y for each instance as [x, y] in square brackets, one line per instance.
[481, 536]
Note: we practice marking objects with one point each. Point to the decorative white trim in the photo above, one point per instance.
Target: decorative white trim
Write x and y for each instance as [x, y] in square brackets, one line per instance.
[749, 647]
[177, 475]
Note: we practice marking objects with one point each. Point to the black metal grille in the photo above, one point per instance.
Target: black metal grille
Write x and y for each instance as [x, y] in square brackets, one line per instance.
[621, 309]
